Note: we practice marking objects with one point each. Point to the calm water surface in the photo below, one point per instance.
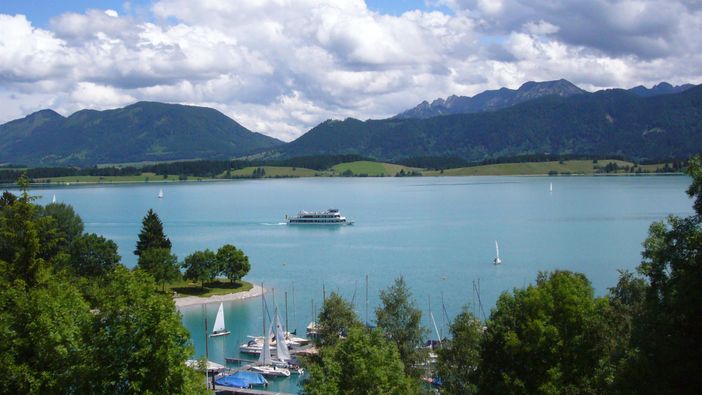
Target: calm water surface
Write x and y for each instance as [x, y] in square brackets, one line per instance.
[439, 233]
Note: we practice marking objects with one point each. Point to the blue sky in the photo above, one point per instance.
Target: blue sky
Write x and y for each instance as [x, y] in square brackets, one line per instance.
[282, 67]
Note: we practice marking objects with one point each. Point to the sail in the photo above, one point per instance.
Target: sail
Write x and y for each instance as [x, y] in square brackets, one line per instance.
[53, 199]
[281, 348]
[219, 321]
[497, 250]
[265, 358]
[160, 193]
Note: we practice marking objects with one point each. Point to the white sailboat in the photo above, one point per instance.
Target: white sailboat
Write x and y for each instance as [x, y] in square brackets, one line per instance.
[53, 199]
[497, 259]
[218, 328]
[550, 187]
[265, 364]
[160, 194]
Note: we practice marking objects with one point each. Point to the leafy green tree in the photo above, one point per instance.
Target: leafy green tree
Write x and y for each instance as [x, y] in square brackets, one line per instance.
[459, 357]
[139, 342]
[69, 224]
[20, 242]
[544, 339]
[335, 318]
[43, 337]
[666, 350]
[93, 256]
[400, 320]
[201, 266]
[363, 363]
[151, 235]
[234, 264]
[161, 264]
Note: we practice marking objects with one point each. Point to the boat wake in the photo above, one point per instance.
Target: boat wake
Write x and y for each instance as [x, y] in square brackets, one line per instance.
[274, 224]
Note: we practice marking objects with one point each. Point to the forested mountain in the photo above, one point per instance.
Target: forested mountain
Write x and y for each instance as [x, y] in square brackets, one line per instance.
[491, 100]
[663, 88]
[144, 131]
[615, 122]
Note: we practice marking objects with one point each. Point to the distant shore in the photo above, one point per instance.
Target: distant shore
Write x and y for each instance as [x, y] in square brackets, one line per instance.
[185, 301]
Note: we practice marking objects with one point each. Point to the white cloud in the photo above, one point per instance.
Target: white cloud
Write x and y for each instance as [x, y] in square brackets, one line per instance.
[282, 66]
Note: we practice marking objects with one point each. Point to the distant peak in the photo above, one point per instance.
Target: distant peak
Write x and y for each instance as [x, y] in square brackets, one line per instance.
[47, 112]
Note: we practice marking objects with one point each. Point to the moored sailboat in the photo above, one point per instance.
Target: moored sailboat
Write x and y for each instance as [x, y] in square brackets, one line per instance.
[218, 329]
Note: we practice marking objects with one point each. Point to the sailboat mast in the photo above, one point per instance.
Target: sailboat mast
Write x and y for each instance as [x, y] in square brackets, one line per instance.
[286, 310]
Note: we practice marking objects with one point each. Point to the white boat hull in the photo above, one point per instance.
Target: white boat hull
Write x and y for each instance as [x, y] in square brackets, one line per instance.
[270, 371]
[220, 334]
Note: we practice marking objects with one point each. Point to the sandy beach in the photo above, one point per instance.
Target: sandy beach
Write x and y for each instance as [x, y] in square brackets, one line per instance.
[196, 300]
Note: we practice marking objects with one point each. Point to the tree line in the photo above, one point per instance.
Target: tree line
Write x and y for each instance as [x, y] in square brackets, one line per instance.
[552, 337]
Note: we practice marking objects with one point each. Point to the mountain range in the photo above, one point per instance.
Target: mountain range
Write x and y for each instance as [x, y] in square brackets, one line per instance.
[609, 122]
[492, 100]
[144, 131]
[553, 117]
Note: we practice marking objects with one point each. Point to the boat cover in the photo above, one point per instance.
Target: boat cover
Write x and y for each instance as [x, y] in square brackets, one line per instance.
[231, 381]
[252, 378]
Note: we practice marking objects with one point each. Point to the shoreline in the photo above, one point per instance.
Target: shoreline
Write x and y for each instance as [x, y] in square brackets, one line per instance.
[217, 180]
[186, 301]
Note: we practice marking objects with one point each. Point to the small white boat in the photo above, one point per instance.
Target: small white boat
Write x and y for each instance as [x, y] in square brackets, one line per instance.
[270, 370]
[218, 328]
[160, 194]
[550, 187]
[53, 199]
[497, 259]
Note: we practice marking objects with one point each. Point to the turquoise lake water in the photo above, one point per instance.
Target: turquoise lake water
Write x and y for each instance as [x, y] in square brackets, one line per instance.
[438, 233]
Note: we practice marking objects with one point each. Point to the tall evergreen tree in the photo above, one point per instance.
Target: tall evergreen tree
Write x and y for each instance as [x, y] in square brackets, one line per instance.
[151, 235]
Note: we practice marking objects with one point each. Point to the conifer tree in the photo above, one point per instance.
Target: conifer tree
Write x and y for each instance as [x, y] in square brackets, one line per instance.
[151, 235]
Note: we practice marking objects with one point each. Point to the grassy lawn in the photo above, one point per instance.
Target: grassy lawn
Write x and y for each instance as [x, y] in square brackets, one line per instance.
[372, 169]
[217, 287]
[277, 171]
[528, 168]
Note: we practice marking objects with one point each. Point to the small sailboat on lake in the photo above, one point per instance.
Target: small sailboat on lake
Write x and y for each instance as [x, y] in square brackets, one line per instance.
[218, 328]
[550, 187]
[53, 199]
[497, 259]
[160, 194]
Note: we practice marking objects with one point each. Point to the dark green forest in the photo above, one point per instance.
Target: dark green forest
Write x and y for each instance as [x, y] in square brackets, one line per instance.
[607, 123]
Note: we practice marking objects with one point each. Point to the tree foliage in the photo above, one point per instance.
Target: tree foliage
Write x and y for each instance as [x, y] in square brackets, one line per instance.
[143, 344]
[335, 319]
[363, 363]
[400, 320]
[201, 266]
[93, 256]
[121, 338]
[151, 235]
[161, 264]
[233, 263]
[544, 339]
[459, 357]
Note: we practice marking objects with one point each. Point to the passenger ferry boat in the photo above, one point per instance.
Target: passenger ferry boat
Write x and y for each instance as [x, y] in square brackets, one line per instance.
[328, 217]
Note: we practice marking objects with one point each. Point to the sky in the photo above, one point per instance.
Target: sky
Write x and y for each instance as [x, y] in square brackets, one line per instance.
[280, 67]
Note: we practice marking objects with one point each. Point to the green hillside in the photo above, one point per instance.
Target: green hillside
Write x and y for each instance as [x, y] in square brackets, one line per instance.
[144, 131]
[612, 122]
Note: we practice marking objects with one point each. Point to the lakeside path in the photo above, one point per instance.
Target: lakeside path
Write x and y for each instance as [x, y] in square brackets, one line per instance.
[197, 300]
